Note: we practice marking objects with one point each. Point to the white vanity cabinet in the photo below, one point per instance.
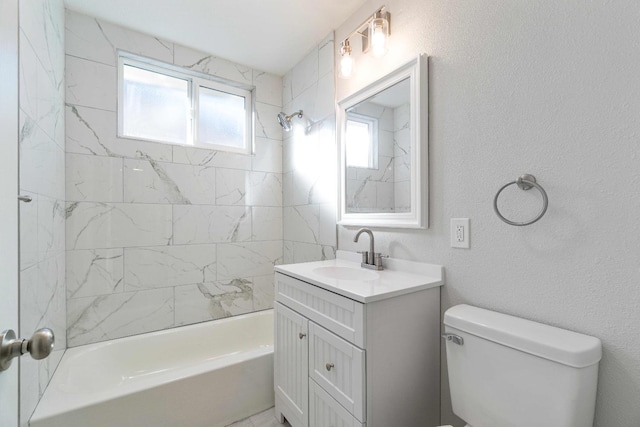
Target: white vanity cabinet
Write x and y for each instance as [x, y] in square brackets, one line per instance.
[371, 358]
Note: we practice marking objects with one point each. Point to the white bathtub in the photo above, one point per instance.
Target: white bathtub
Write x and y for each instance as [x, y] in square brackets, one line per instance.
[205, 375]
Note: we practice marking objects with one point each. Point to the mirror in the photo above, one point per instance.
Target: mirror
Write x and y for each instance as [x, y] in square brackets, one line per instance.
[383, 146]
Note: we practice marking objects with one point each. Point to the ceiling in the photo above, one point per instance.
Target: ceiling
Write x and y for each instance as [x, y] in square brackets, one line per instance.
[270, 35]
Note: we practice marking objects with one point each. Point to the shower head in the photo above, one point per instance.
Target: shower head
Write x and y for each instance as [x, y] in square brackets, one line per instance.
[285, 120]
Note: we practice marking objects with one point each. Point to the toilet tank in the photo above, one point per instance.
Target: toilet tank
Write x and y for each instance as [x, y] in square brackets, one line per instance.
[514, 372]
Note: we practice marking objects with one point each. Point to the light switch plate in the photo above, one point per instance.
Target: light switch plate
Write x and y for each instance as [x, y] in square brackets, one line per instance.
[460, 233]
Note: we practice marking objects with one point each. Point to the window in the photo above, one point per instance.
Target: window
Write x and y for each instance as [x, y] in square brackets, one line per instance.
[362, 134]
[164, 103]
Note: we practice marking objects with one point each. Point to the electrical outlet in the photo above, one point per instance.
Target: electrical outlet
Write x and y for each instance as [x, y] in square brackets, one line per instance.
[460, 233]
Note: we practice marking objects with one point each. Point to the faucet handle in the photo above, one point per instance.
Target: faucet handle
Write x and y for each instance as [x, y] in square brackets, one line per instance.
[377, 259]
[365, 256]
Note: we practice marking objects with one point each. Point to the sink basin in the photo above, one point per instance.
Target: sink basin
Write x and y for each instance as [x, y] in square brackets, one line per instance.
[346, 273]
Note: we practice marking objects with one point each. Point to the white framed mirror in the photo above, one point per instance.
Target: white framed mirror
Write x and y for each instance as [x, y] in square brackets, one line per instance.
[383, 142]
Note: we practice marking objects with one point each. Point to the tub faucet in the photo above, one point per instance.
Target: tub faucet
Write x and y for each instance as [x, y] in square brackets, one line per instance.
[371, 259]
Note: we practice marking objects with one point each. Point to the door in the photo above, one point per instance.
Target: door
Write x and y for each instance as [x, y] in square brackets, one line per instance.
[291, 366]
[8, 200]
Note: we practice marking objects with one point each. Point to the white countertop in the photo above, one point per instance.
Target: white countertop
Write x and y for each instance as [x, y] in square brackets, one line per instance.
[399, 277]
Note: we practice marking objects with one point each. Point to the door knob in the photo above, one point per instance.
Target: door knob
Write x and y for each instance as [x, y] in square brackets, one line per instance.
[40, 345]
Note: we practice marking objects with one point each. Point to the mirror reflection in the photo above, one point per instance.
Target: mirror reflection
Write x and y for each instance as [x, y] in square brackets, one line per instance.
[378, 152]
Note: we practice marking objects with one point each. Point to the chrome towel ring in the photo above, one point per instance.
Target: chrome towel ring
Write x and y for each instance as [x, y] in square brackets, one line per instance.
[525, 182]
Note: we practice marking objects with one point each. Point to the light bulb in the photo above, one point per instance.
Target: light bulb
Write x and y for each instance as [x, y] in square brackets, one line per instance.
[379, 30]
[346, 66]
[346, 62]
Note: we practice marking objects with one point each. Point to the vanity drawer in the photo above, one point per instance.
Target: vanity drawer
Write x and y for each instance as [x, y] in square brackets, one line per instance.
[338, 314]
[339, 368]
[325, 411]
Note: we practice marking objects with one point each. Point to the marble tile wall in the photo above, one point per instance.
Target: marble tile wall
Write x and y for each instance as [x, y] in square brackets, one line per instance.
[402, 158]
[309, 158]
[42, 167]
[372, 189]
[161, 235]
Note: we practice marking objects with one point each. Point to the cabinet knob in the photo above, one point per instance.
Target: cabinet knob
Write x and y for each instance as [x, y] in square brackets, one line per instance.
[329, 366]
[301, 335]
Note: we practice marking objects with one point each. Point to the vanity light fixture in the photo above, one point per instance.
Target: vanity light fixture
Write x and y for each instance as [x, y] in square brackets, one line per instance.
[374, 33]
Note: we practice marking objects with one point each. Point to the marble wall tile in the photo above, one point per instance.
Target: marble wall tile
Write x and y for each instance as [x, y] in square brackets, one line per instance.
[41, 157]
[97, 40]
[248, 259]
[264, 189]
[82, 89]
[287, 189]
[263, 292]
[211, 224]
[112, 225]
[266, 122]
[93, 131]
[325, 56]
[267, 156]
[288, 252]
[205, 63]
[214, 158]
[305, 73]
[385, 196]
[95, 272]
[28, 79]
[105, 317]
[327, 233]
[51, 226]
[361, 194]
[85, 38]
[28, 231]
[267, 223]
[268, 88]
[42, 296]
[307, 252]
[303, 223]
[287, 89]
[149, 181]
[210, 301]
[165, 266]
[94, 178]
[231, 187]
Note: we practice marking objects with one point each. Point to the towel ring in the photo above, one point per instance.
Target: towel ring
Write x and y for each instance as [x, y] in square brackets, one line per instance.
[525, 182]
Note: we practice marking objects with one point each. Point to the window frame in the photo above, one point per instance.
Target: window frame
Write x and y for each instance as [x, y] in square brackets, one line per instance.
[372, 122]
[195, 81]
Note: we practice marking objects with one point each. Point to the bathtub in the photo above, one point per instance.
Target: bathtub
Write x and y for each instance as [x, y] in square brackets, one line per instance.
[205, 375]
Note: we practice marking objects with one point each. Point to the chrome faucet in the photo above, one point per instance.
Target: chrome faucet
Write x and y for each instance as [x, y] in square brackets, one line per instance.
[370, 259]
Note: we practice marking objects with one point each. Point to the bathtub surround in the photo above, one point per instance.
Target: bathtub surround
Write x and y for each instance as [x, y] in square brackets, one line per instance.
[160, 235]
[309, 170]
[42, 166]
[548, 88]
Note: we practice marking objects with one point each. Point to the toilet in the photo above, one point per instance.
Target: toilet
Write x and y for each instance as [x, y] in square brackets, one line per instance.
[510, 372]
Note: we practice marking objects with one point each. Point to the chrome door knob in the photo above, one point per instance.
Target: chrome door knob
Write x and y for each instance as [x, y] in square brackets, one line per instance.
[40, 345]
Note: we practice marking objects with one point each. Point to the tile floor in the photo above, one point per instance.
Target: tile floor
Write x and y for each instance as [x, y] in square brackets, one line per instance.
[263, 419]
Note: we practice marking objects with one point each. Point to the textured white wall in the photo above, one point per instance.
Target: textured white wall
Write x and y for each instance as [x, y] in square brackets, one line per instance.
[549, 88]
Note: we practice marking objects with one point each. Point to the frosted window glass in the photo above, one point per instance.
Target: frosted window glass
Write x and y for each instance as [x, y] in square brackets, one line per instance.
[360, 144]
[222, 118]
[156, 106]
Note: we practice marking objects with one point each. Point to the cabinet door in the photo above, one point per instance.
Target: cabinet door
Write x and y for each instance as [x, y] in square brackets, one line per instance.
[324, 411]
[291, 365]
[339, 368]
